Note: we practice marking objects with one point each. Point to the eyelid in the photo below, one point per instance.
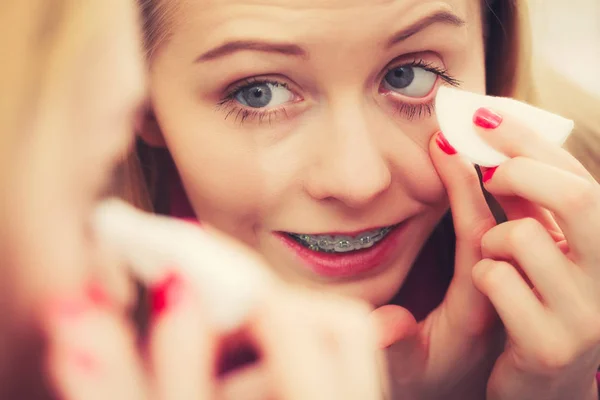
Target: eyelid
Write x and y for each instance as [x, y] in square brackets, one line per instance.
[429, 60]
[261, 79]
[409, 106]
[442, 76]
[416, 108]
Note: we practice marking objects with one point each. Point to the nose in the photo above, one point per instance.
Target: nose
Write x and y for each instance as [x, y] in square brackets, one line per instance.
[349, 167]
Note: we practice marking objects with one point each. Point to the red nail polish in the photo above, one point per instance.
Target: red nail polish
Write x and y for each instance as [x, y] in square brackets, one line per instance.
[67, 308]
[487, 175]
[166, 293]
[192, 221]
[444, 145]
[98, 295]
[84, 361]
[486, 118]
[76, 305]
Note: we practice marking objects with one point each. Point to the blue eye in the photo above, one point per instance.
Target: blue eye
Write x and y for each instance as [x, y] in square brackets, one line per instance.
[410, 81]
[263, 94]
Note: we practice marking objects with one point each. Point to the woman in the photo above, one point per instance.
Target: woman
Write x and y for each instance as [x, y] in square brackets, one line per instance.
[71, 92]
[305, 129]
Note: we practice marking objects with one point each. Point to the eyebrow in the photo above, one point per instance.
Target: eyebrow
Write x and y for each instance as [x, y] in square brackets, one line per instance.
[229, 48]
[443, 17]
[289, 49]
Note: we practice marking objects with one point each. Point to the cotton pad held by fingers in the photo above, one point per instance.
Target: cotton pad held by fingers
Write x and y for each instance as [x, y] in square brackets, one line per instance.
[229, 278]
[455, 110]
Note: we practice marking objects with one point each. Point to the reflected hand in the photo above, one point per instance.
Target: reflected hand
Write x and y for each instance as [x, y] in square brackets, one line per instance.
[310, 346]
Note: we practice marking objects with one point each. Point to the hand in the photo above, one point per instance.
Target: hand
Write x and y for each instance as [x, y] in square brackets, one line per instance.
[310, 346]
[449, 354]
[542, 268]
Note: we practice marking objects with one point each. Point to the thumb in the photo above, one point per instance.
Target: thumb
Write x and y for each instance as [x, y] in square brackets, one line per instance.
[399, 333]
[472, 218]
[393, 323]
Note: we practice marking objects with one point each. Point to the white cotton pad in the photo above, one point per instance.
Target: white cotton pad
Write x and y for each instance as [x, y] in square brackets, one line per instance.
[455, 110]
[228, 279]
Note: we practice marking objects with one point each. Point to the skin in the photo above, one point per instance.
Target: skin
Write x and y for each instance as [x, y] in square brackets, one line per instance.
[344, 159]
[65, 160]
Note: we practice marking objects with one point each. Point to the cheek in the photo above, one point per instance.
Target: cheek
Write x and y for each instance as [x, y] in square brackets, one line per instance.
[221, 174]
[425, 184]
[412, 167]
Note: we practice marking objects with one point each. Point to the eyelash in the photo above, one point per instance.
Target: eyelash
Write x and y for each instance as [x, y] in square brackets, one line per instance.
[241, 113]
[407, 110]
[411, 111]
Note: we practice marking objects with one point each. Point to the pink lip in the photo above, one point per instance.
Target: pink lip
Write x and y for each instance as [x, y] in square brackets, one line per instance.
[346, 265]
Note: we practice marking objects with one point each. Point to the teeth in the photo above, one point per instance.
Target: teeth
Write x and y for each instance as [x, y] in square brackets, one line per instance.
[342, 243]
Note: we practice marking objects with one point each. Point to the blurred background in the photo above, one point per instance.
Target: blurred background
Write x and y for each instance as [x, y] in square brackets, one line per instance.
[566, 34]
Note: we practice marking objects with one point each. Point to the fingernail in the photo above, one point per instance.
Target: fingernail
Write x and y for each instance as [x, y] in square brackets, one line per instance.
[166, 294]
[443, 144]
[98, 295]
[487, 175]
[84, 361]
[74, 306]
[193, 221]
[68, 308]
[486, 118]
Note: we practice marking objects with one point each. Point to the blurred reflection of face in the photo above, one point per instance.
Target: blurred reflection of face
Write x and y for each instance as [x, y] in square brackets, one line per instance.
[79, 127]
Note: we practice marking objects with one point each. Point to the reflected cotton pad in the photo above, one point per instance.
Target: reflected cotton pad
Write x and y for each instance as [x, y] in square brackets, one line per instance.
[455, 109]
[229, 279]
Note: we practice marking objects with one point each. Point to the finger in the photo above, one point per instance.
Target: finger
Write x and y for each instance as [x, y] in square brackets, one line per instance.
[348, 324]
[529, 244]
[250, 383]
[520, 310]
[472, 218]
[574, 201]
[111, 272]
[516, 208]
[508, 136]
[182, 346]
[399, 333]
[292, 347]
[92, 353]
[393, 323]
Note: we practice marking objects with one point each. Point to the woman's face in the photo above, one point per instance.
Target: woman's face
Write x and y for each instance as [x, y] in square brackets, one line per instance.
[79, 127]
[302, 127]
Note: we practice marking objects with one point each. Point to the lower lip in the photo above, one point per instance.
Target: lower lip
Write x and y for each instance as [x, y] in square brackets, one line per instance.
[346, 265]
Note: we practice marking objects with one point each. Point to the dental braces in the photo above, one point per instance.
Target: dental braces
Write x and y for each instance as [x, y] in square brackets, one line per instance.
[341, 245]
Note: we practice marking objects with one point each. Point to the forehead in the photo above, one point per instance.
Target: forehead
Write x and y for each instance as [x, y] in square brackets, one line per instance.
[316, 4]
[311, 18]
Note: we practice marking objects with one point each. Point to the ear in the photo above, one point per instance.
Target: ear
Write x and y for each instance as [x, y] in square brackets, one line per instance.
[148, 129]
